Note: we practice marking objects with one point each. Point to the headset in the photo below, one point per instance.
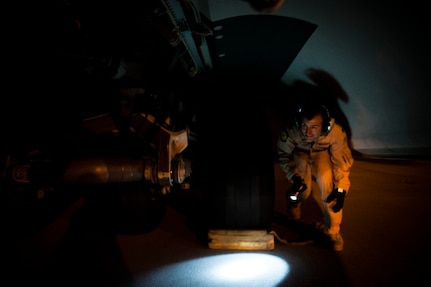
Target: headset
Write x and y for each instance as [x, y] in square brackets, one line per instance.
[309, 110]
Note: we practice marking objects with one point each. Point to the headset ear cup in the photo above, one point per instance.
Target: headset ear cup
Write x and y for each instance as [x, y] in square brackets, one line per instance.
[298, 123]
[330, 123]
[328, 120]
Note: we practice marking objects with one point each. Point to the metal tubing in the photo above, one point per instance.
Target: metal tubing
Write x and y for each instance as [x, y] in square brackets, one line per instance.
[104, 170]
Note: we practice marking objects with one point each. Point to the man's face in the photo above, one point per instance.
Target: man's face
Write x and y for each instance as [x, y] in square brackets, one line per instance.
[312, 128]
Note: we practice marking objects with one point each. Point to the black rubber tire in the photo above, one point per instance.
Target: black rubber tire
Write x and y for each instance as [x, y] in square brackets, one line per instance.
[236, 166]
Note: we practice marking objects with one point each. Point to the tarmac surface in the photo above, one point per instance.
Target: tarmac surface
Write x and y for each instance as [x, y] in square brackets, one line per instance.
[385, 229]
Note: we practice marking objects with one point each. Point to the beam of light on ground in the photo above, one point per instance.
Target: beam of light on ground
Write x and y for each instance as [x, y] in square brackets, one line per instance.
[239, 269]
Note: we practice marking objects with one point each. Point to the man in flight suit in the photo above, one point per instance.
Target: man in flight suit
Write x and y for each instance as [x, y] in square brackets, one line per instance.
[314, 154]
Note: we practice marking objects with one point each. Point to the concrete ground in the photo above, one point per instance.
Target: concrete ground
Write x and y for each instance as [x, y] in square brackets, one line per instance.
[385, 229]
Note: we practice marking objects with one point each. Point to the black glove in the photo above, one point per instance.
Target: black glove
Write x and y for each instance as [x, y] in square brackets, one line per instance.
[298, 183]
[339, 196]
[298, 186]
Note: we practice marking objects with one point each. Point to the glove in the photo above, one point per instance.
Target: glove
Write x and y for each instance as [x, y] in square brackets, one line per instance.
[298, 186]
[337, 194]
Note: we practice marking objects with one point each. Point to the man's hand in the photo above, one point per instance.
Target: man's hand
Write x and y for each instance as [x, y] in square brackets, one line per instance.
[337, 194]
[298, 184]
